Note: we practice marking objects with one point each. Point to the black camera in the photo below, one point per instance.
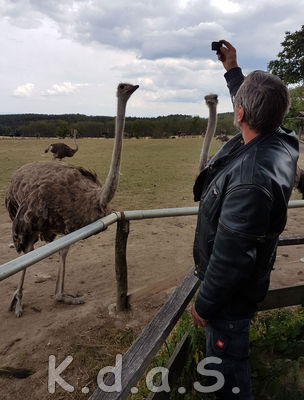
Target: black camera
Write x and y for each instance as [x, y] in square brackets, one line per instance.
[216, 46]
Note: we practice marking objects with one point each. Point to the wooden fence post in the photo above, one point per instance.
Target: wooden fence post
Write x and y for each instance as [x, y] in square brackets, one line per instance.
[175, 366]
[122, 233]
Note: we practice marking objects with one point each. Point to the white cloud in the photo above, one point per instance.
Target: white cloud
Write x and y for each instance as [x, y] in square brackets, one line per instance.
[154, 29]
[64, 88]
[226, 6]
[163, 46]
[25, 90]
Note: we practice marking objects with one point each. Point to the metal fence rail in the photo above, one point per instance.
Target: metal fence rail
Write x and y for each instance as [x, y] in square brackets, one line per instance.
[26, 260]
[18, 264]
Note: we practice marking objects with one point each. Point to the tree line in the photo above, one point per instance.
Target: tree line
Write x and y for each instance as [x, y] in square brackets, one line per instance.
[43, 125]
[61, 126]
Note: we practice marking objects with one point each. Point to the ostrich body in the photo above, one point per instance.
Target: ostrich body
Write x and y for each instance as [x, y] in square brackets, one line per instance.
[299, 181]
[45, 199]
[222, 138]
[211, 101]
[61, 150]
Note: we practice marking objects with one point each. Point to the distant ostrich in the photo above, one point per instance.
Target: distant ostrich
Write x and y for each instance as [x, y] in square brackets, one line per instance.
[47, 198]
[61, 150]
[211, 101]
[222, 138]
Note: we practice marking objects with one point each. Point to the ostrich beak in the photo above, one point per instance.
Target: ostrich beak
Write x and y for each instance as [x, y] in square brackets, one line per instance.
[135, 87]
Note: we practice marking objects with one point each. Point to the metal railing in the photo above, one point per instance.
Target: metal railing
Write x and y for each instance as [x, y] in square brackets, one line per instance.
[18, 264]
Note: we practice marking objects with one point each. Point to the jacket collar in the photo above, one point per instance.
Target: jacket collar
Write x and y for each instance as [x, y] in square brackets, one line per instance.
[234, 148]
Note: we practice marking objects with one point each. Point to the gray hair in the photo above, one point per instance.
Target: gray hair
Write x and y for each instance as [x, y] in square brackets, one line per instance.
[265, 100]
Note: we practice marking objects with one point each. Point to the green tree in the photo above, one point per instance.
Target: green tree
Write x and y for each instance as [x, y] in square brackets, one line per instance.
[196, 126]
[225, 124]
[62, 129]
[297, 101]
[290, 63]
[297, 105]
[4, 130]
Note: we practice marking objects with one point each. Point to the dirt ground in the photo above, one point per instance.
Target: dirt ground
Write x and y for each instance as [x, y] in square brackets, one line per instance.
[159, 255]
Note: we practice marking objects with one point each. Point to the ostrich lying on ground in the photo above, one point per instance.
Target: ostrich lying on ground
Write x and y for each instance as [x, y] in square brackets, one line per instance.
[61, 150]
[48, 198]
[211, 101]
[222, 138]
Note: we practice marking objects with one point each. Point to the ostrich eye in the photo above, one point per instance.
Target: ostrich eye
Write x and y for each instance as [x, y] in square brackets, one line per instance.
[122, 86]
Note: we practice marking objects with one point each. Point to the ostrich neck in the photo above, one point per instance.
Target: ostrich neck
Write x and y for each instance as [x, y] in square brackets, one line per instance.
[208, 136]
[76, 145]
[111, 183]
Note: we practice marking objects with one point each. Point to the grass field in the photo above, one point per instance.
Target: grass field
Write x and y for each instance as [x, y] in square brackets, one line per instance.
[155, 173]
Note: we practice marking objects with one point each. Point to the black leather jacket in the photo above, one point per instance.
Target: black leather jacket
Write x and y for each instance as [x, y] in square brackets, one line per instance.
[243, 193]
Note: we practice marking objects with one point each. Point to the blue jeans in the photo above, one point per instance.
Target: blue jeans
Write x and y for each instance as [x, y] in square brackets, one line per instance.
[229, 341]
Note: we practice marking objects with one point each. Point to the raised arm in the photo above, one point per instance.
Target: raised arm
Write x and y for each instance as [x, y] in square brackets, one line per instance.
[234, 77]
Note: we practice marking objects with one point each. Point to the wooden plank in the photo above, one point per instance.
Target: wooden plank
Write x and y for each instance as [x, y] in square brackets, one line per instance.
[284, 297]
[291, 240]
[139, 356]
[121, 268]
[175, 366]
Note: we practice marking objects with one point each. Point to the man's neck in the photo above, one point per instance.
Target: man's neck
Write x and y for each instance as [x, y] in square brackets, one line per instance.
[247, 133]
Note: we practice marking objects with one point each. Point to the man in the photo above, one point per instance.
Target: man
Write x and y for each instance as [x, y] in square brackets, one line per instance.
[243, 193]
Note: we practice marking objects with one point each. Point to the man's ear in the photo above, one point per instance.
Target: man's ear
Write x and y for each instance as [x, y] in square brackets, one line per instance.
[239, 114]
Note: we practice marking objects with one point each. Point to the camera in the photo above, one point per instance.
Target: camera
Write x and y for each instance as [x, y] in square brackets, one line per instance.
[216, 46]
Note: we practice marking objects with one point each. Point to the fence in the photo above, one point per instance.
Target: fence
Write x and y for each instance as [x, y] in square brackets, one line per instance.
[136, 360]
[139, 356]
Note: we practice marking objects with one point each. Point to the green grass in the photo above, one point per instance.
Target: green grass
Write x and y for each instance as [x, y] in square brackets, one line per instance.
[276, 357]
[155, 173]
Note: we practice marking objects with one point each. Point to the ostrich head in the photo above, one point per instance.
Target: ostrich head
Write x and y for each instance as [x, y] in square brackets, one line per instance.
[124, 90]
[211, 99]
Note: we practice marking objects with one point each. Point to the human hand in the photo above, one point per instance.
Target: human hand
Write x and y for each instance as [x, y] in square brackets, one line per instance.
[197, 320]
[227, 55]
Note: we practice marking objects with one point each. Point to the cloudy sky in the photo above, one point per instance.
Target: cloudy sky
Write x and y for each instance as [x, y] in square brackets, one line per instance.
[67, 56]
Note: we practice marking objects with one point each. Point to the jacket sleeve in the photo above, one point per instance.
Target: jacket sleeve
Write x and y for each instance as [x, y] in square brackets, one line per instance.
[234, 78]
[243, 223]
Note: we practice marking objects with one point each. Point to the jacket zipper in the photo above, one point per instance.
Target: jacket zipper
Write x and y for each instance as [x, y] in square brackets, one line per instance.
[250, 186]
[243, 235]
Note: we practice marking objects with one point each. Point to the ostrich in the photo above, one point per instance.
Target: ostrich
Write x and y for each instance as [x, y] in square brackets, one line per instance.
[299, 181]
[211, 101]
[222, 138]
[61, 150]
[45, 199]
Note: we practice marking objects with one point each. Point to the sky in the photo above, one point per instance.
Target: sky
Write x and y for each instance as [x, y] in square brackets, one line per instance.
[68, 56]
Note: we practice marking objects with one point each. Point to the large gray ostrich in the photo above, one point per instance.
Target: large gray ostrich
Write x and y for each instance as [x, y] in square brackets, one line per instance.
[47, 198]
[211, 101]
[61, 150]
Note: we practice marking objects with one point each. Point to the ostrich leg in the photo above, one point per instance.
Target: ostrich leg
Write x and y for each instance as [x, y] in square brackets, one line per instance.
[60, 296]
[16, 302]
